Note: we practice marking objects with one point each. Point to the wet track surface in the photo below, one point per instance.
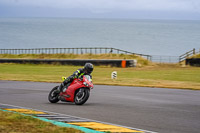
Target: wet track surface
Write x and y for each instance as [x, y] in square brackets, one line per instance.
[155, 109]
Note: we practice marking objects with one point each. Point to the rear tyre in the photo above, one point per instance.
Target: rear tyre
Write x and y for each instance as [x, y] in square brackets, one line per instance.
[81, 96]
[53, 95]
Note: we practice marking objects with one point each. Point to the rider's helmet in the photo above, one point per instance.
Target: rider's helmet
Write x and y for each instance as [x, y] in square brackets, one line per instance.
[88, 68]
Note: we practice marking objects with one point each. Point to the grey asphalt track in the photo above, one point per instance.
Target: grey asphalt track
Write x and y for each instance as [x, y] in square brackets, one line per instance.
[156, 109]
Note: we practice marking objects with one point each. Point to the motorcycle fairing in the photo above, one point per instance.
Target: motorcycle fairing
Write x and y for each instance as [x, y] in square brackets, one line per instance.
[75, 85]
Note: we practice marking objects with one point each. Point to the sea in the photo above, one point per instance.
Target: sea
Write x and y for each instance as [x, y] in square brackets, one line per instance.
[152, 37]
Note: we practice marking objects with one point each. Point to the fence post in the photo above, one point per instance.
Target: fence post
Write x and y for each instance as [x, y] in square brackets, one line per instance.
[111, 50]
[193, 51]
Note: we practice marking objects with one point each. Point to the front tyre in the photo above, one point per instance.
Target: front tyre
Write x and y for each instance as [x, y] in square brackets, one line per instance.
[81, 96]
[53, 95]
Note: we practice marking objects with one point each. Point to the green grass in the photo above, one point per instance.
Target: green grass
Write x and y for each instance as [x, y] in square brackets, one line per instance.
[168, 76]
[195, 56]
[17, 123]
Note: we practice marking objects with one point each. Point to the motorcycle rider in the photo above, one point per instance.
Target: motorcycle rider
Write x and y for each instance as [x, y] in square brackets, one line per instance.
[87, 70]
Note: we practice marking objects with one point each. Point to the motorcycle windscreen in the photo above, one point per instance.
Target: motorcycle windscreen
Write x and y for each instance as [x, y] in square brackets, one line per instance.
[88, 78]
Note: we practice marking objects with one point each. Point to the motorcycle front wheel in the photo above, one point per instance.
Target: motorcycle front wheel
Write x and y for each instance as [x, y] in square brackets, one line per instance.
[81, 96]
[53, 96]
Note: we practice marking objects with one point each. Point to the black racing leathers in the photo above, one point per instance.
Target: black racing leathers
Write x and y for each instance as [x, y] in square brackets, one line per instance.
[76, 74]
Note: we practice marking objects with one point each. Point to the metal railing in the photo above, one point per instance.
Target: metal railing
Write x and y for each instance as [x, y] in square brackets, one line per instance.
[165, 59]
[188, 54]
[91, 50]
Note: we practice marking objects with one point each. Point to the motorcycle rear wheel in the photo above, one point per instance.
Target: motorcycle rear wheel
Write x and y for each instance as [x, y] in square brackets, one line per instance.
[53, 98]
[81, 98]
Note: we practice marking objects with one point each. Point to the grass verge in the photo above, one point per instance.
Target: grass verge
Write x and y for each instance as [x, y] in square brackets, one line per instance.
[164, 76]
[140, 61]
[17, 123]
[195, 56]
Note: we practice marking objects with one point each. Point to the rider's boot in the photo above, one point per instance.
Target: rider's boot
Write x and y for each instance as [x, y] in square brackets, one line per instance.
[60, 87]
[67, 82]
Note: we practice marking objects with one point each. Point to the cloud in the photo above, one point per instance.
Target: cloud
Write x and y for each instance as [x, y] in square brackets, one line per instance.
[139, 9]
[101, 6]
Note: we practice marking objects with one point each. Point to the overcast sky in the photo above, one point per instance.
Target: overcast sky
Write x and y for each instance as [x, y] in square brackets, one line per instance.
[133, 9]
